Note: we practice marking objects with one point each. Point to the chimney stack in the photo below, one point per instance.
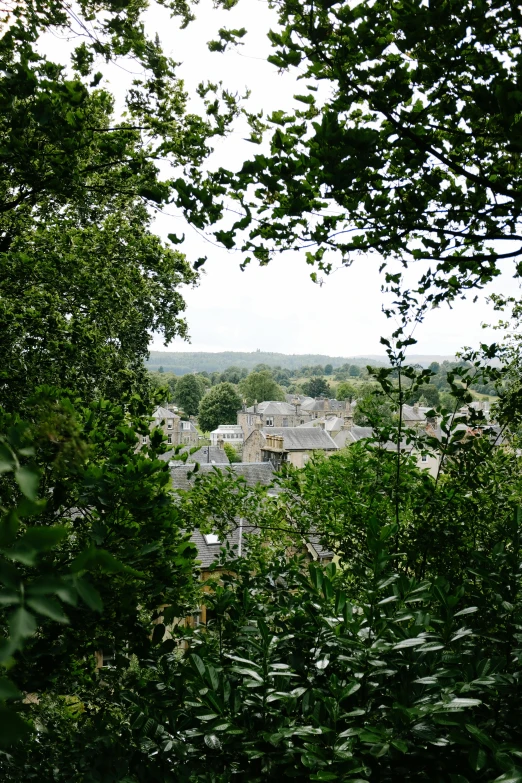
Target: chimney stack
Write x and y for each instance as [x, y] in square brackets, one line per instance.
[348, 417]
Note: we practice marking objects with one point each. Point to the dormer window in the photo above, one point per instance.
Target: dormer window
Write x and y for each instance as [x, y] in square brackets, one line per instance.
[211, 538]
[169, 424]
[270, 421]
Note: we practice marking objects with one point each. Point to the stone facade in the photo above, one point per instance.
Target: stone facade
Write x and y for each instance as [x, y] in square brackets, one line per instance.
[286, 444]
[286, 414]
[176, 431]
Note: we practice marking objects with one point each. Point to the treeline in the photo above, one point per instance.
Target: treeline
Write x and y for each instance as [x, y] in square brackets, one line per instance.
[181, 363]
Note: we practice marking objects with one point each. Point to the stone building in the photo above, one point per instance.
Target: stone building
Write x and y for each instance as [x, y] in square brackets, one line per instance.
[286, 444]
[176, 431]
[287, 414]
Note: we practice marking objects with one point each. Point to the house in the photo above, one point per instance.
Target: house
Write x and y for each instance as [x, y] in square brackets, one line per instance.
[287, 414]
[271, 413]
[209, 545]
[286, 444]
[228, 433]
[176, 431]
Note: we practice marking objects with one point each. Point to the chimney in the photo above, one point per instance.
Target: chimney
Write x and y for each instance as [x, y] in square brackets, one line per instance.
[244, 405]
[258, 425]
[348, 417]
[297, 403]
[327, 404]
[416, 408]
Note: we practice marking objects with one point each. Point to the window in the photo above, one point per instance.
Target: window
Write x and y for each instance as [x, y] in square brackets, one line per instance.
[302, 421]
[270, 421]
[107, 658]
[285, 422]
[144, 439]
[211, 538]
[169, 424]
[424, 458]
[169, 438]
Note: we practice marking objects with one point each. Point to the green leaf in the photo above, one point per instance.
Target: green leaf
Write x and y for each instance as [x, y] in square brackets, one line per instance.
[212, 742]
[48, 607]
[12, 727]
[28, 480]
[42, 538]
[22, 624]
[89, 594]
[477, 758]
[7, 462]
[8, 689]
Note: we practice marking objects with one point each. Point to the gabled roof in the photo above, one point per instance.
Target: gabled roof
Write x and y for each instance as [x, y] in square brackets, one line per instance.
[302, 439]
[187, 425]
[328, 423]
[272, 407]
[254, 473]
[163, 413]
[409, 413]
[323, 405]
[346, 437]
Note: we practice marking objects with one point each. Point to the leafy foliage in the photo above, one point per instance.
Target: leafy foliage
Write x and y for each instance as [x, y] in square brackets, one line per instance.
[219, 406]
[260, 386]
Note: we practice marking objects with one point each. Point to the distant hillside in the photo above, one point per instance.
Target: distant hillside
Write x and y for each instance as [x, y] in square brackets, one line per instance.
[182, 363]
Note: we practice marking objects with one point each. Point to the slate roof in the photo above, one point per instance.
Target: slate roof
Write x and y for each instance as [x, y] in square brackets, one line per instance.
[301, 397]
[254, 473]
[331, 423]
[272, 407]
[409, 414]
[302, 439]
[208, 553]
[347, 437]
[323, 405]
[217, 456]
[163, 413]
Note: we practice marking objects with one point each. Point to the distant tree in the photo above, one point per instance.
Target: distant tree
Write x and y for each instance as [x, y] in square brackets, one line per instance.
[260, 386]
[232, 375]
[328, 369]
[429, 393]
[354, 371]
[316, 387]
[346, 391]
[231, 453]
[189, 391]
[219, 406]
[161, 370]
[435, 367]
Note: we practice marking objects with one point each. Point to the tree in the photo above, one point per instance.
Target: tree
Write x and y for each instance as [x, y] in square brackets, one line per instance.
[231, 453]
[346, 391]
[328, 369]
[316, 387]
[91, 296]
[260, 386]
[337, 161]
[188, 395]
[354, 371]
[220, 405]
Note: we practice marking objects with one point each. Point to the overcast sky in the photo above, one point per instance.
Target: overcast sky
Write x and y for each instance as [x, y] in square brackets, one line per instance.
[278, 308]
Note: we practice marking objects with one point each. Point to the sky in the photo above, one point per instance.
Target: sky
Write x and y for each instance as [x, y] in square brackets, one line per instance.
[277, 307]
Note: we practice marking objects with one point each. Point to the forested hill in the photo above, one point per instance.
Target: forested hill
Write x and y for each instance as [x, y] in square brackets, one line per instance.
[182, 363]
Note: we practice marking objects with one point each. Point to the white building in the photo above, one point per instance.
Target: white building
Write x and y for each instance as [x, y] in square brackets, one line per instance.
[228, 433]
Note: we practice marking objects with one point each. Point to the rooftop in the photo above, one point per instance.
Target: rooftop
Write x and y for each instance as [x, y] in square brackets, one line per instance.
[302, 438]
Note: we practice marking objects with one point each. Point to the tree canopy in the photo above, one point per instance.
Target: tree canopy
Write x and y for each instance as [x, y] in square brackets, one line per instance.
[220, 405]
[404, 140]
[259, 386]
